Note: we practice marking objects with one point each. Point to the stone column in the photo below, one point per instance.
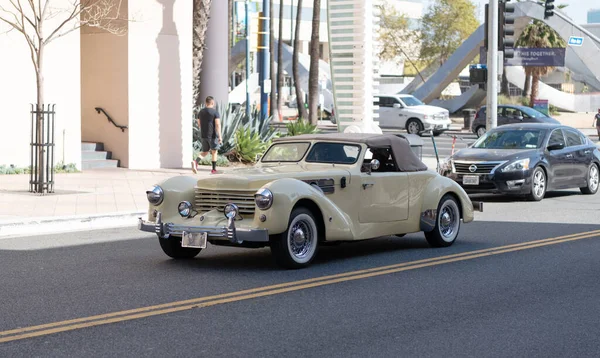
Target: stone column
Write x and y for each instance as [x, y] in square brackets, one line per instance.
[214, 77]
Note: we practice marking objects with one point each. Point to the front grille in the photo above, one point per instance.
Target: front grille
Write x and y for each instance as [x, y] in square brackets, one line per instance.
[482, 168]
[206, 200]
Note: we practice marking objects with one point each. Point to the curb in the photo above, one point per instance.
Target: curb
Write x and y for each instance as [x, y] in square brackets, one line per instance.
[64, 224]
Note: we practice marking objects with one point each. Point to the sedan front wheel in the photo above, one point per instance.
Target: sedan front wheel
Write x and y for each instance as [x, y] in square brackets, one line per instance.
[538, 184]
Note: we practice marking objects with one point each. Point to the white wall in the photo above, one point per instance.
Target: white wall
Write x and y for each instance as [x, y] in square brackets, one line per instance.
[160, 84]
[18, 91]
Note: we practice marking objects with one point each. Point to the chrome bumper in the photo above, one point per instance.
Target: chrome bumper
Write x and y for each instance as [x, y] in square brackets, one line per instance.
[165, 230]
[478, 206]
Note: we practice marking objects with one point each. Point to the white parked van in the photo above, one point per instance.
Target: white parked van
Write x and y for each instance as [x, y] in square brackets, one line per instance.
[407, 112]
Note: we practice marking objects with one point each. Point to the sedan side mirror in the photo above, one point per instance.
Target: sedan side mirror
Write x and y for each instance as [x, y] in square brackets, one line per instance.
[557, 146]
[520, 118]
[397, 105]
[259, 157]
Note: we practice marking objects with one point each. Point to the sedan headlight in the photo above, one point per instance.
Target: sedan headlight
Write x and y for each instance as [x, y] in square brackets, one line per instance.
[521, 164]
[155, 195]
[185, 209]
[263, 199]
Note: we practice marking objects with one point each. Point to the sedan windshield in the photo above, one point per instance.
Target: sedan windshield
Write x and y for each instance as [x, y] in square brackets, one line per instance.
[511, 139]
[411, 101]
[533, 113]
[286, 152]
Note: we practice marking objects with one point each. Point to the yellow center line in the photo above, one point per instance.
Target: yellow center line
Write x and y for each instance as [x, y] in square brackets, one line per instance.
[121, 316]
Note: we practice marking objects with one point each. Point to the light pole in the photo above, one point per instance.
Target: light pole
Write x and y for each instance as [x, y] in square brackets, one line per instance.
[492, 65]
[263, 63]
[247, 20]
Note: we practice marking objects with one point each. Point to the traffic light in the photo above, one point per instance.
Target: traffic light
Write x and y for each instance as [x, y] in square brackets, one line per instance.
[506, 29]
[549, 11]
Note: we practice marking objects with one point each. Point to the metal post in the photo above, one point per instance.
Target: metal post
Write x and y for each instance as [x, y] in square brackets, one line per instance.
[291, 41]
[263, 60]
[492, 65]
[233, 35]
[247, 20]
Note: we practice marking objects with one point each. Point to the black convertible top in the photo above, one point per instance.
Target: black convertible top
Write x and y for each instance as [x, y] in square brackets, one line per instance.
[406, 159]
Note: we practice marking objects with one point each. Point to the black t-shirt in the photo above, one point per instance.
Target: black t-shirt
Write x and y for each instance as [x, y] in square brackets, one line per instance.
[597, 119]
[207, 122]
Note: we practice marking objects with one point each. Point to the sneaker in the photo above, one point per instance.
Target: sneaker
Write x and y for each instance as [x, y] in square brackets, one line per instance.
[213, 171]
[194, 167]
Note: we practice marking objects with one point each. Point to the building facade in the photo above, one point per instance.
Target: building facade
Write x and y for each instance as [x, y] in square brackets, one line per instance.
[593, 16]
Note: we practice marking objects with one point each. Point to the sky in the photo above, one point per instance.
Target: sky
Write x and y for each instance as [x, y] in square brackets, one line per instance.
[576, 9]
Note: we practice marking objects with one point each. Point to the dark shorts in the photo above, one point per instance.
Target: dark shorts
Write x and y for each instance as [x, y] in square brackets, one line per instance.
[209, 144]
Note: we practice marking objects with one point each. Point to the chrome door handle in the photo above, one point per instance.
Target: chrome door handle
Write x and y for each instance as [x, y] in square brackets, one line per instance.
[587, 152]
[366, 185]
[569, 155]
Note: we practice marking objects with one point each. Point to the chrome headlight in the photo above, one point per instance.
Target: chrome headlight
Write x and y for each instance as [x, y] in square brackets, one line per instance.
[185, 209]
[263, 199]
[155, 195]
[231, 211]
[521, 164]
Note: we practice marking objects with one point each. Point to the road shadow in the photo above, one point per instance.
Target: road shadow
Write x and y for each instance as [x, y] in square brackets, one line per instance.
[504, 198]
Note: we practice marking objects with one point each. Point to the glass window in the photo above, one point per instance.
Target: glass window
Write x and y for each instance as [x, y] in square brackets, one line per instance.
[573, 138]
[556, 138]
[511, 139]
[337, 153]
[511, 112]
[411, 101]
[286, 152]
[533, 113]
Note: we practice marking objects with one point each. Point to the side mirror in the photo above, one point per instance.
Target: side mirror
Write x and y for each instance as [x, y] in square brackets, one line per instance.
[557, 146]
[520, 118]
[397, 105]
[375, 164]
[258, 157]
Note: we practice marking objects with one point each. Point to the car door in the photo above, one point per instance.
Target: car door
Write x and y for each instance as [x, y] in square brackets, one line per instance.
[559, 160]
[383, 195]
[580, 155]
[512, 115]
[385, 111]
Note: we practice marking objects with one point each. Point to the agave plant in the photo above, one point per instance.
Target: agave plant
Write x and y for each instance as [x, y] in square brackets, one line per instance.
[300, 127]
[248, 145]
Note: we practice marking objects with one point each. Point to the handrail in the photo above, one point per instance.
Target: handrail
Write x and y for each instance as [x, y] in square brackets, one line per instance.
[98, 109]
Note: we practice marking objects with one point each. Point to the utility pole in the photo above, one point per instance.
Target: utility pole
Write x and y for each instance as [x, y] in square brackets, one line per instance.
[291, 42]
[492, 67]
[263, 57]
[247, 20]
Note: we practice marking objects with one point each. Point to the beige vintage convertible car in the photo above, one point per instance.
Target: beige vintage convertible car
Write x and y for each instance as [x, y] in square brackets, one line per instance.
[308, 190]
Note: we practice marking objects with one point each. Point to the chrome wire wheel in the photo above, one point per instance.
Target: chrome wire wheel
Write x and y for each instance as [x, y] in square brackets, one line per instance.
[539, 184]
[594, 178]
[302, 238]
[449, 220]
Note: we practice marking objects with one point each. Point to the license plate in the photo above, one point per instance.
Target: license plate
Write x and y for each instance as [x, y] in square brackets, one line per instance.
[471, 180]
[195, 240]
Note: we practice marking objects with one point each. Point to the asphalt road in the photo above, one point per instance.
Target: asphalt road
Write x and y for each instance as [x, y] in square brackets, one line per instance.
[479, 297]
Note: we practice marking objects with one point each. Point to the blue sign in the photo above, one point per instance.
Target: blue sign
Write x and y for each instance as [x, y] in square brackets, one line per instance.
[536, 57]
[575, 41]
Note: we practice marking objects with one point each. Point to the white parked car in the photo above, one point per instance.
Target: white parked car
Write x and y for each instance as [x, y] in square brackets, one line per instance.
[407, 112]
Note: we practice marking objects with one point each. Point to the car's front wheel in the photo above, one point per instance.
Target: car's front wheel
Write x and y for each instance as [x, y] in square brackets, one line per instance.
[297, 246]
[538, 184]
[172, 247]
[592, 180]
[447, 223]
[414, 126]
[480, 131]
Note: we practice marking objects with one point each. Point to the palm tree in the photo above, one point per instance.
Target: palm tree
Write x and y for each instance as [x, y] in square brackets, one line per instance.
[299, 100]
[538, 35]
[313, 76]
[273, 74]
[200, 24]
[280, 59]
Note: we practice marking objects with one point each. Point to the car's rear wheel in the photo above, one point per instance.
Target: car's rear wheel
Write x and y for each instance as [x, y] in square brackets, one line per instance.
[447, 223]
[172, 247]
[480, 131]
[593, 177]
[538, 184]
[297, 246]
[414, 126]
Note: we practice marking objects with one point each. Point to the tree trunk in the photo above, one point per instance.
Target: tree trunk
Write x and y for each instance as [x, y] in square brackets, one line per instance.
[299, 100]
[39, 123]
[504, 84]
[527, 82]
[313, 76]
[280, 60]
[534, 87]
[200, 24]
[273, 74]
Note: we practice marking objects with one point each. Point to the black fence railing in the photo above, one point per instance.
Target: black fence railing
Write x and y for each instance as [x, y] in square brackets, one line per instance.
[101, 110]
[41, 176]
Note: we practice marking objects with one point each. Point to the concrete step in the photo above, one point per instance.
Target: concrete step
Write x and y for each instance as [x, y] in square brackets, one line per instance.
[99, 164]
[95, 155]
[90, 146]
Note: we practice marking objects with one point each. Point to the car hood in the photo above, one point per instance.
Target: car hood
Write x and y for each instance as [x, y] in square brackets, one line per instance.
[492, 155]
[254, 177]
[427, 109]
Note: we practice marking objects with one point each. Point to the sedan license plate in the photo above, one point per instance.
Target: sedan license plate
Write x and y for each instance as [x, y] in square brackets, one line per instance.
[471, 180]
[194, 240]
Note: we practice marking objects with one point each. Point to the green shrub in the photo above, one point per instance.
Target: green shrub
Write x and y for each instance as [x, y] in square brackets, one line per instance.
[299, 127]
[222, 160]
[248, 145]
[58, 168]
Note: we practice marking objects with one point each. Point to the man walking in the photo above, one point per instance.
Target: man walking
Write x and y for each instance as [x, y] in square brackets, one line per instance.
[597, 120]
[209, 122]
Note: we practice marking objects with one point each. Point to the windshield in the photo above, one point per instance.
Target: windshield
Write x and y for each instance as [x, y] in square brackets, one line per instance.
[286, 152]
[533, 113]
[411, 101]
[511, 139]
[337, 153]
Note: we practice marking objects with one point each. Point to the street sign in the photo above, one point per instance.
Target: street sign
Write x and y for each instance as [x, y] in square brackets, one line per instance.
[575, 41]
[553, 57]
